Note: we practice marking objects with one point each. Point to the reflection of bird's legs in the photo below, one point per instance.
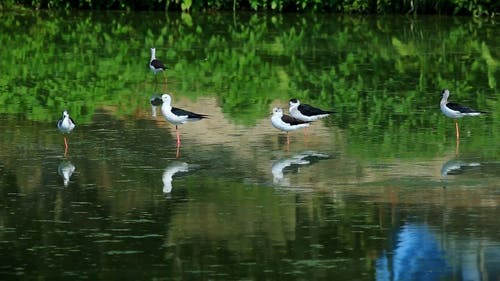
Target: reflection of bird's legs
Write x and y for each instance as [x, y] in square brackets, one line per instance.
[456, 128]
[65, 146]
[164, 82]
[177, 135]
[457, 147]
[287, 141]
[178, 152]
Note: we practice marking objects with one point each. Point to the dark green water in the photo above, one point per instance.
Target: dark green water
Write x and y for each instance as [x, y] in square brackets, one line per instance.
[379, 191]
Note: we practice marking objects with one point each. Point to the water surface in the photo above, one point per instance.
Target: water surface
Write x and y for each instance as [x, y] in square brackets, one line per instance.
[379, 191]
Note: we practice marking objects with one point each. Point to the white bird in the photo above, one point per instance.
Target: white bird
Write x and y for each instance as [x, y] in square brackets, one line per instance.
[455, 110]
[65, 125]
[286, 123]
[306, 112]
[178, 116]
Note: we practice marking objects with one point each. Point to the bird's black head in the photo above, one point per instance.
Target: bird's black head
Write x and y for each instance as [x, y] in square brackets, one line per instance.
[293, 100]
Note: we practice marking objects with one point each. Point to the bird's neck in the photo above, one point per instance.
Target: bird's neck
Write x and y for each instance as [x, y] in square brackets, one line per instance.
[153, 55]
[444, 101]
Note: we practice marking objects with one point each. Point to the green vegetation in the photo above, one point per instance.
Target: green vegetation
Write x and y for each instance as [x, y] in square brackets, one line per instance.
[462, 7]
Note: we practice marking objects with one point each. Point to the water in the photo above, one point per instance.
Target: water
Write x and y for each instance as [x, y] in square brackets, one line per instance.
[379, 191]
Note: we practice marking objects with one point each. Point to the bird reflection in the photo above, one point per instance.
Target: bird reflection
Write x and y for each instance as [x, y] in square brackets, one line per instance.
[170, 171]
[457, 167]
[155, 102]
[65, 170]
[303, 158]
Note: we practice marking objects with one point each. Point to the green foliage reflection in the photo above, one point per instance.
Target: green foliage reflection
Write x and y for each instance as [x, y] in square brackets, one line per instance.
[383, 75]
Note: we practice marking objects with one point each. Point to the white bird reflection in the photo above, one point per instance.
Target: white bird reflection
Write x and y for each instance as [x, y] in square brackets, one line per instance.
[456, 167]
[170, 171]
[65, 170]
[155, 102]
[303, 158]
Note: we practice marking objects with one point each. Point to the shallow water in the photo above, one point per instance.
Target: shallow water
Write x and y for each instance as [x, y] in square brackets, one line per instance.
[379, 191]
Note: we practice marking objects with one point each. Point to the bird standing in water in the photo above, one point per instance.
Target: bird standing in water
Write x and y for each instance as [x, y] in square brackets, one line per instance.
[306, 112]
[286, 123]
[65, 125]
[156, 65]
[455, 110]
[178, 116]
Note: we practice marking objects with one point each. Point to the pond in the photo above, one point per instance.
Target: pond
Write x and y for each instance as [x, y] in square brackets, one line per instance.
[380, 190]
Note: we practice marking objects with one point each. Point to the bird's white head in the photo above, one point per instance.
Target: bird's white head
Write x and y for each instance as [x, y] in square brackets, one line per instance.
[294, 102]
[65, 113]
[166, 99]
[277, 112]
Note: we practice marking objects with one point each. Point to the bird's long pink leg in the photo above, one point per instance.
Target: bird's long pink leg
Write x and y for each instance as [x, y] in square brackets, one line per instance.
[177, 135]
[456, 127]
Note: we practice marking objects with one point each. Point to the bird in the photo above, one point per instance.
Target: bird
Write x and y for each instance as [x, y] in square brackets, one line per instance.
[65, 125]
[306, 112]
[455, 110]
[154, 64]
[286, 123]
[178, 116]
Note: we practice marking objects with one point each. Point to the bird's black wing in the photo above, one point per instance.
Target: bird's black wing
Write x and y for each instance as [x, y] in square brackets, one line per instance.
[461, 108]
[308, 110]
[157, 64]
[189, 114]
[292, 121]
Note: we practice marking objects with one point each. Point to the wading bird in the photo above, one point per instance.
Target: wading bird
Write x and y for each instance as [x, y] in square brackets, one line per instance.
[65, 125]
[305, 112]
[455, 110]
[286, 123]
[177, 116]
[156, 65]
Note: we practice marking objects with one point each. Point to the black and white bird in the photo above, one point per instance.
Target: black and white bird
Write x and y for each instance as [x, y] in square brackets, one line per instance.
[154, 64]
[286, 123]
[306, 112]
[178, 116]
[65, 125]
[455, 110]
